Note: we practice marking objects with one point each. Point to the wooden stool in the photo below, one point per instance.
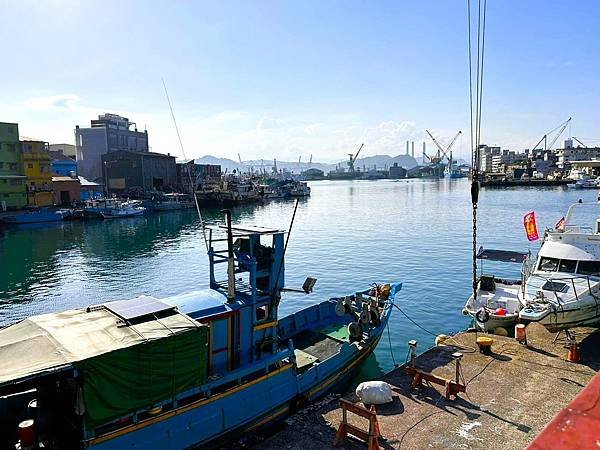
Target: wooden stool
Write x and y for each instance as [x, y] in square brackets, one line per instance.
[371, 437]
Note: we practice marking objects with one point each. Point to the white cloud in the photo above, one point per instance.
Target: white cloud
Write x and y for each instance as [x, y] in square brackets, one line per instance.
[62, 101]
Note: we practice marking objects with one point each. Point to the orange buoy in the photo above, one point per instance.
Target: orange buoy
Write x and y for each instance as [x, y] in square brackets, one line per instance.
[500, 312]
[520, 332]
[573, 353]
[27, 433]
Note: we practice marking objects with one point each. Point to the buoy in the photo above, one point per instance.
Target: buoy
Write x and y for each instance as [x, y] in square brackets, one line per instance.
[485, 344]
[441, 339]
[520, 332]
[500, 331]
[573, 353]
[27, 433]
[500, 312]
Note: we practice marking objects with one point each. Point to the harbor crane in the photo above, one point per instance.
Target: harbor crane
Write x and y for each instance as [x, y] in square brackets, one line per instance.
[299, 167]
[241, 163]
[353, 158]
[442, 152]
[310, 162]
[580, 143]
[544, 138]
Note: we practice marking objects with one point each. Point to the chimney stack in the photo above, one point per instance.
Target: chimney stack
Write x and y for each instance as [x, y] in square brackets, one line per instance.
[412, 148]
[407, 147]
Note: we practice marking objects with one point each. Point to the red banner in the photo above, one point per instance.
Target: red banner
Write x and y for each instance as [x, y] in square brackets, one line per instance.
[530, 226]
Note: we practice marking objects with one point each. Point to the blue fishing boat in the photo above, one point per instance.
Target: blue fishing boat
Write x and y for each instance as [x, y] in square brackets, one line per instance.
[191, 370]
[37, 216]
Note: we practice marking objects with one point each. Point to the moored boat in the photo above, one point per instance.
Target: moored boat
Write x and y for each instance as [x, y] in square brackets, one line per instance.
[130, 208]
[496, 301]
[37, 216]
[188, 370]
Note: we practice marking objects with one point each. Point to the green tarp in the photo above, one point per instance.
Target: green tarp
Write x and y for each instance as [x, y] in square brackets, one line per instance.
[337, 332]
[140, 376]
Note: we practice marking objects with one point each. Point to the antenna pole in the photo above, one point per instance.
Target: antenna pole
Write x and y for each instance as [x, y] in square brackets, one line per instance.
[230, 262]
[287, 239]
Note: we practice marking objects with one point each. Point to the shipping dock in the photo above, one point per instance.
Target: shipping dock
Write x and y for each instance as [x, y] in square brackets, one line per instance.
[511, 395]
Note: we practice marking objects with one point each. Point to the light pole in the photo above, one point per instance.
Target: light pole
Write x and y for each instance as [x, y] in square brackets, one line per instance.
[106, 177]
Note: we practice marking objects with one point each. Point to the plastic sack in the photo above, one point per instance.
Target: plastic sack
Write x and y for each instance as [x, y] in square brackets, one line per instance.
[374, 392]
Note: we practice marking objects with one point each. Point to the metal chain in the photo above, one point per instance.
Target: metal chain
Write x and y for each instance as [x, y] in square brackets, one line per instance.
[474, 250]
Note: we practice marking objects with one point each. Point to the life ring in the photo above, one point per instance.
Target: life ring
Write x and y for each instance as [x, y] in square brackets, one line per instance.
[482, 315]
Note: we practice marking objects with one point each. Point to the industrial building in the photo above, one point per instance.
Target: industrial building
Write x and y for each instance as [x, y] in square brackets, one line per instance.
[67, 190]
[125, 170]
[197, 172]
[61, 164]
[109, 133]
[12, 180]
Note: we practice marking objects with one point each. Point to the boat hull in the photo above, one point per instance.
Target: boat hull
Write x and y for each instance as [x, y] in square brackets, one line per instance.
[248, 407]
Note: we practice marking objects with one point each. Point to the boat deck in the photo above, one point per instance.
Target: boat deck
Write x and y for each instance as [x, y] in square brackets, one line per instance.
[511, 395]
[311, 346]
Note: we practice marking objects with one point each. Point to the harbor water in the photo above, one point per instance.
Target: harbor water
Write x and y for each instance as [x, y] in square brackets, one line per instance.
[348, 234]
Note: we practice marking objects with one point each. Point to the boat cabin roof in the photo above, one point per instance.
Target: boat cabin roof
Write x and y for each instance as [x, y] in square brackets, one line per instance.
[51, 342]
[501, 255]
[247, 230]
[200, 304]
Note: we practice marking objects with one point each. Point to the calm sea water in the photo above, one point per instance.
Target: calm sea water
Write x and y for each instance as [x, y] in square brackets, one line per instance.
[347, 234]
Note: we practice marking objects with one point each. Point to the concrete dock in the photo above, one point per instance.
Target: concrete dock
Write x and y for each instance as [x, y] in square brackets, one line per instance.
[510, 396]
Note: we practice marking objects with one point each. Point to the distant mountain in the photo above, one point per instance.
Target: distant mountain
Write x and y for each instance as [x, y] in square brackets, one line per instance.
[381, 161]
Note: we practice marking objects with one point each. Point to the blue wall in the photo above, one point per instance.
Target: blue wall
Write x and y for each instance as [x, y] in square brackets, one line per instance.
[63, 167]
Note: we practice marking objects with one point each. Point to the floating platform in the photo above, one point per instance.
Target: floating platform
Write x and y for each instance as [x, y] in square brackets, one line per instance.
[511, 395]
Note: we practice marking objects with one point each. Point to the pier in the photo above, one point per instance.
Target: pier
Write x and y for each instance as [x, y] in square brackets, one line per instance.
[510, 397]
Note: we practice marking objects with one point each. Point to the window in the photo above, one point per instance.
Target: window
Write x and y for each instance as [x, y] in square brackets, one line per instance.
[589, 268]
[11, 130]
[10, 147]
[567, 265]
[262, 313]
[555, 286]
[548, 264]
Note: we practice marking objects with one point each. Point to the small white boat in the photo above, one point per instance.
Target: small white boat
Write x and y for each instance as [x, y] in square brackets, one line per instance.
[590, 183]
[171, 202]
[496, 303]
[563, 289]
[123, 209]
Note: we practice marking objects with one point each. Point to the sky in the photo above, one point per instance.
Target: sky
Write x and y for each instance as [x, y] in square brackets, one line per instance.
[290, 79]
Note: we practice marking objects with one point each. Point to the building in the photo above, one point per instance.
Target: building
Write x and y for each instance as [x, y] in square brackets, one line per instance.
[485, 157]
[36, 166]
[66, 149]
[90, 190]
[397, 171]
[110, 133]
[313, 174]
[566, 155]
[12, 180]
[124, 170]
[67, 190]
[197, 172]
[62, 165]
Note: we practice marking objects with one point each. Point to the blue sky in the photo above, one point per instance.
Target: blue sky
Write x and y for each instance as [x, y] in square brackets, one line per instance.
[285, 78]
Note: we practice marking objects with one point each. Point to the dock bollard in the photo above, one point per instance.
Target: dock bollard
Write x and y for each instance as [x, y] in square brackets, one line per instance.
[412, 345]
[457, 357]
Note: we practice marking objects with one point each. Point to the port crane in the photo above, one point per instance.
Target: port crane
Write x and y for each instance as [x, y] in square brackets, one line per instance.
[353, 158]
[241, 163]
[442, 152]
[581, 143]
[560, 129]
[310, 162]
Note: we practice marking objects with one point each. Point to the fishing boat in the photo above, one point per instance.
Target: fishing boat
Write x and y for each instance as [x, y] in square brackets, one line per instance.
[37, 216]
[563, 289]
[171, 202]
[496, 301]
[299, 189]
[130, 208]
[93, 208]
[588, 183]
[190, 370]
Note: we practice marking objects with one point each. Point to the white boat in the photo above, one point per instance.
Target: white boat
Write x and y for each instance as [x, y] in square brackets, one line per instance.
[563, 289]
[590, 183]
[496, 303]
[123, 209]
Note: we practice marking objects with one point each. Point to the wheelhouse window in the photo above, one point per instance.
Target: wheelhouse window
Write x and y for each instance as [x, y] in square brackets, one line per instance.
[548, 264]
[589, 268]
[567, 265]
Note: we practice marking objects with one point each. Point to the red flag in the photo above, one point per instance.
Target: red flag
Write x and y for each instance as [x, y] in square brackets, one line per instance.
[530, 226]
[560, 225]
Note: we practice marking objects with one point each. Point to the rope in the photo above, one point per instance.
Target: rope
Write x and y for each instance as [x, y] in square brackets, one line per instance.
[192, 186]
[415, 323]
[390, 343]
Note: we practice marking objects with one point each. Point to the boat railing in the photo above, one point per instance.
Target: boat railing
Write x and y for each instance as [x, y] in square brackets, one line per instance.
[553, 283]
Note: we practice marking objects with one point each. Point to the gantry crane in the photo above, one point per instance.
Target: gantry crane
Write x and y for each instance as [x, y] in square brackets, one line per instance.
[544, 138]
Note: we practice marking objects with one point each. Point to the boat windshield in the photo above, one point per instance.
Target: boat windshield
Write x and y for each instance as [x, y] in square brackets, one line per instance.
[569, 266]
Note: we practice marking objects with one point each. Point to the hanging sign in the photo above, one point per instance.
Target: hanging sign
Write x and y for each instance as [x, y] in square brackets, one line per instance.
[530, 226]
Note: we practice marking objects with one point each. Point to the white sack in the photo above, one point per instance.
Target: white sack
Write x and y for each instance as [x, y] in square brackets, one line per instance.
[374, 392]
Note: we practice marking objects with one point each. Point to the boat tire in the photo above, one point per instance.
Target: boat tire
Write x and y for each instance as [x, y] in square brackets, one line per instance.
[482, 315]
